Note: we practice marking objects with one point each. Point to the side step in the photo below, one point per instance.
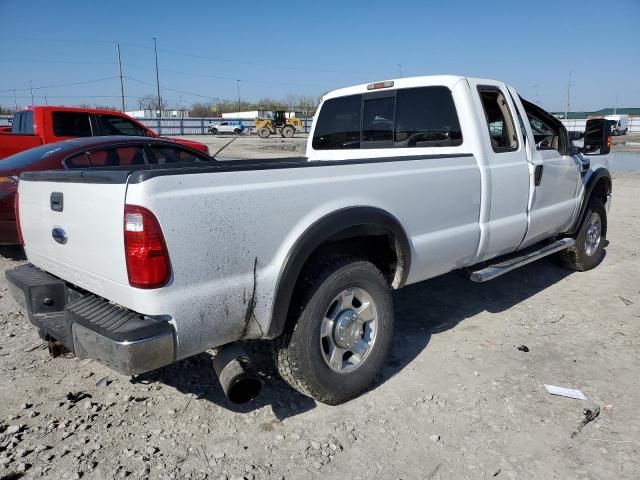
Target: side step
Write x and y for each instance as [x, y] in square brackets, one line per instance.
[497, 269]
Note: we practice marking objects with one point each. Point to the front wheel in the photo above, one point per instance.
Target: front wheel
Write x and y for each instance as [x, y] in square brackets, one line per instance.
[264, 132]
[338, 332]
[588, 251]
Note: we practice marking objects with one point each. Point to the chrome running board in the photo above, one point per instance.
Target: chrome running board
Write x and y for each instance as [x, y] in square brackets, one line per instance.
[497, 269]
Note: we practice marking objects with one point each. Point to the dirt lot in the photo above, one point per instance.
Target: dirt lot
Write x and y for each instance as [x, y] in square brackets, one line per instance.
[457, 399]
[252, 146]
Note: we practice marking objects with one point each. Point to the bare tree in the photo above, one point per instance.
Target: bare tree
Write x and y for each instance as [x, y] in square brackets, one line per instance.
[150, 102]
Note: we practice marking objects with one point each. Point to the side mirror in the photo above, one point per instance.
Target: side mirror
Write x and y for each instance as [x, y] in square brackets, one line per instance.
[597, 137]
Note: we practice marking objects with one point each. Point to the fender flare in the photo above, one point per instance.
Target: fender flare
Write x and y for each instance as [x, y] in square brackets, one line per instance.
[315, 235]
[600, 175]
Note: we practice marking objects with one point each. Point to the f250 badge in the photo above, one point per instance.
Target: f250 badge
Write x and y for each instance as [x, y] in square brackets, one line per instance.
[59, 235]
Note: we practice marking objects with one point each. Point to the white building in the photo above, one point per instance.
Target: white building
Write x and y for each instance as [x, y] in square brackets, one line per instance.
[153, 113]
[256, 114]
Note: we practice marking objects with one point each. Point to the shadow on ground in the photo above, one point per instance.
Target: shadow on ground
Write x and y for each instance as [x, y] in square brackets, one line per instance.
[12, 252]
[422, 310]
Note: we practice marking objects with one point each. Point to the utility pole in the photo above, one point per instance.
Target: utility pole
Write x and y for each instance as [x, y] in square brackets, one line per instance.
[566, 113]
[45, 99]
[238, 83]
[15, 99]
[615, 106]
[400, 68]
[121, 80]
[155, 46]
[31, 89]
[537, 88]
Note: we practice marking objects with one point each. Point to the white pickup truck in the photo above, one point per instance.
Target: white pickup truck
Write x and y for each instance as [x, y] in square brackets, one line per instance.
[404, 180]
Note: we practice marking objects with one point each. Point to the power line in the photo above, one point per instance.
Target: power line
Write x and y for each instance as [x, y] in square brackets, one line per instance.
[171, 89]
[72, 84]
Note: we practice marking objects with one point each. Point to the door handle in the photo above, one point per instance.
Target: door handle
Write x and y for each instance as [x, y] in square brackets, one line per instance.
[538, 174]
[57, 201]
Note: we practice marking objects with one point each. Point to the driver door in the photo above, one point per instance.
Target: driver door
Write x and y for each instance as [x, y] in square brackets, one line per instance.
[556, 175]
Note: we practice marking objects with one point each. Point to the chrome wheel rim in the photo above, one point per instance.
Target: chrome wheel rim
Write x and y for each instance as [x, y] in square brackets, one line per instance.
[349, 329]
[594, 234]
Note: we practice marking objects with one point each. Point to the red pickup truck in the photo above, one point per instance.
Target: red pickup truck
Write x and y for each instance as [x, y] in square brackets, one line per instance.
[35, 126]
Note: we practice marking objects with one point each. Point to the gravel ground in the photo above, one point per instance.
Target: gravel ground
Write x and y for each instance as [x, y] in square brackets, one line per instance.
[457, 400]
[252, 146]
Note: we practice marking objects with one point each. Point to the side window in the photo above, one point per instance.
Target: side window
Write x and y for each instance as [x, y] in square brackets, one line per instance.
[71, 124]
[499, 121]
[426, 117]
[162, 155]
[546, 137]
[377, 120]
[107, 157]
[115, 125]
[338, 125]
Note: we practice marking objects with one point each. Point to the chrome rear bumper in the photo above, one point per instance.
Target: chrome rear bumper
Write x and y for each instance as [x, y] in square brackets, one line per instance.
[90, 326]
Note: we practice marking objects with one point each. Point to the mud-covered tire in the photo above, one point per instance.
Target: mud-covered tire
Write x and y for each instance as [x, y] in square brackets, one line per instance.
[588, 250]
[264, 132]
[300, 354]
[288, 131]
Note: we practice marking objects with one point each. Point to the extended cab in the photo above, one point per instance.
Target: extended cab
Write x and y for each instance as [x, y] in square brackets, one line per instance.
[35, 126]
[404, 180]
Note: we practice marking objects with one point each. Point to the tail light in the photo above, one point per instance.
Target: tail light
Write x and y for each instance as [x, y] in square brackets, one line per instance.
[145, 250]
[16, 209]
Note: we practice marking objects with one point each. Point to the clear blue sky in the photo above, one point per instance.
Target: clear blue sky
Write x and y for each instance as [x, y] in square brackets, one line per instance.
[308, 47]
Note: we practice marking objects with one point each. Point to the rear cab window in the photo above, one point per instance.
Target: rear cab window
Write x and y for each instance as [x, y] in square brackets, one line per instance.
[402, 118]
[23, 123]
[71, 124]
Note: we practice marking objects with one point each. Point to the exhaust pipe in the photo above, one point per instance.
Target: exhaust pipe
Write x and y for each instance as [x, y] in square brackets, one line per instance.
[236, 374]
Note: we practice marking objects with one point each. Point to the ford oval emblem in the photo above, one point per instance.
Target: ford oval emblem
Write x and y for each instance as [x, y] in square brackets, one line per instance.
[59, 235]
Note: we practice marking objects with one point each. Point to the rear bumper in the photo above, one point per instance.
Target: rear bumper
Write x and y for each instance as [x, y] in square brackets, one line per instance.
[90, 326]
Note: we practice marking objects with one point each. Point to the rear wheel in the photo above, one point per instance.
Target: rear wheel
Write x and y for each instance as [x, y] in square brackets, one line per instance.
[213, 131]
[288, 131]
[588, 251]
[339, 330]
[236, 131]
[264, 132]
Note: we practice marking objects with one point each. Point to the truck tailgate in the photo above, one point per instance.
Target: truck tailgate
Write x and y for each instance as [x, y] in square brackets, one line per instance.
[72, 226]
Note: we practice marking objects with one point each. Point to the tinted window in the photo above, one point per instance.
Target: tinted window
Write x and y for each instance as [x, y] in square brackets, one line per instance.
[71, 124]
[23, 123]
[162, 155]
[426, 117]
[377, 119]
[107, 157]
[114, 125]
[499, 121]
[338, 124]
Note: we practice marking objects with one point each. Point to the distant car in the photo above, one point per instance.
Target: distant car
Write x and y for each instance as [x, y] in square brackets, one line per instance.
[85, 153]
[40, 125]
[235, 127]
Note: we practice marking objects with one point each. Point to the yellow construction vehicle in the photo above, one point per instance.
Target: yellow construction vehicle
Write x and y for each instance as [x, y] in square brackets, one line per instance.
[286, 127]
